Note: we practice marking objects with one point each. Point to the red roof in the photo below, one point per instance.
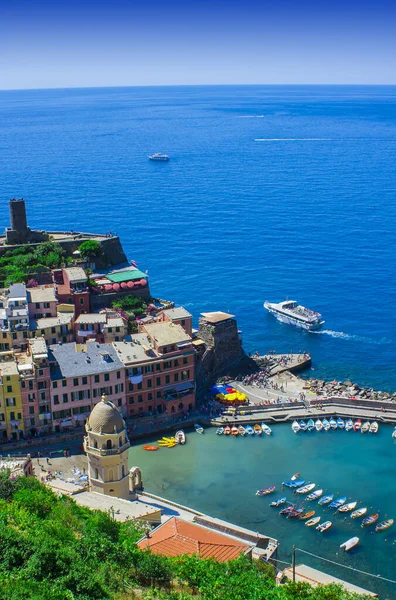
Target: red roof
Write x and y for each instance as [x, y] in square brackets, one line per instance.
[177, 537]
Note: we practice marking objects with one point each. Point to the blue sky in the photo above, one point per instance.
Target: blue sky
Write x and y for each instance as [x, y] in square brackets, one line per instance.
[82, 43]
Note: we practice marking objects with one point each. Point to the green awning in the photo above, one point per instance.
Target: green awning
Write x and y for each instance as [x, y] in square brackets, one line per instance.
[126, 276]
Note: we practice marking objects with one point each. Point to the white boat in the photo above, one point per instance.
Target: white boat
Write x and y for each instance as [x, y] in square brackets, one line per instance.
[360, 512]
[310, 425]
[159, 157]
[180, 437]
[340, 423]
[374, 427]
[333, 423]
[267, 430]
[312, 522]
[292, 313]
[347, 507]
[326, 425]
[305, 488]
[324, 526]
[303, 425]
[365, 427]
[349, 544]
[220, 430]
[295, 427]
[318, 425]
[394, 433]
[199, 429]
[315, 495]
[349, 425]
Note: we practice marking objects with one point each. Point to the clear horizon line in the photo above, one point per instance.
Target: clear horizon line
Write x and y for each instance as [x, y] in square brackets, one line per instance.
[192, 85]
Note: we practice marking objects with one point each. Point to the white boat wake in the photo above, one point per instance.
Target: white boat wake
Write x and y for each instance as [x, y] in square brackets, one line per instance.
[296, 140]
[348, 336]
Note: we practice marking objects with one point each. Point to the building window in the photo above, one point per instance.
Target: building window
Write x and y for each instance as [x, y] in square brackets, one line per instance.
[176, 362]
[96, 473]
[81, 301]
[97, 378]
[167, 378]
[123, 470]
[149, 396]
[64, 383]
[9, 389]
[65, 398]
[148, 369]
[131, 400]
[106, 377]
[84, 380]
[183, 322]
[158, 394]
[31, 410]
[118, 374]
[140, 398]
[176, 377]
[158, 381]
[54, 384]
[37, 304]
[158, 367]
[140, 386]
[149, 383]
[41, 372]
[75, 381]
[32, 421]
[109, 445]
[130, 387]
[56, 399]
[185, 360]
[119, 402]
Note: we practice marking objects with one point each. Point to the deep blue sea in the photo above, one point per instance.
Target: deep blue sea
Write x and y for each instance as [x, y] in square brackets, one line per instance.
[271, 192]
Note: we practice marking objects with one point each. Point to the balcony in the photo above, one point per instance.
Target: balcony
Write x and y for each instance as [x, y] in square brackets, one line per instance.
[84, 333]
[105, 451]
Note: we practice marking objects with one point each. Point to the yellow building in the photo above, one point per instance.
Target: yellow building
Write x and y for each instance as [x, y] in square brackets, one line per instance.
[11, 414]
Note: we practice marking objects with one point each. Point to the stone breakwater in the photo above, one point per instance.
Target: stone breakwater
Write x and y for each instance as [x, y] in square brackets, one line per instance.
[348, 390]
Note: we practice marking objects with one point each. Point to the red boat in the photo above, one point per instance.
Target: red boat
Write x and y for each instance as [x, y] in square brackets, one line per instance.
[266, 491]
[357, 425]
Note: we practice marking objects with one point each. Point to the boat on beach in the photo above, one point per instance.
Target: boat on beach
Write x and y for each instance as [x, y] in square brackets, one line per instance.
[333, 423]
[312, 522]
[310, 425]
[249, 430]
[357, 425]
[340, 423]
[360, 512]
[278, 502]
[199, 429]
[326, 500]
[180, 437]
[315, 495]
[347, 507]
[292, 313]
[306, 488]
[257, 429]
[267, 430]
[220, 430]
[373, 427]
[337, 503]
[318, 425]
[349, 544]
[365, 427]
[295, 427]
[384, 525]
[326, 425]
[266, 491]
[370, 520]
[324, 526]
[349, 425]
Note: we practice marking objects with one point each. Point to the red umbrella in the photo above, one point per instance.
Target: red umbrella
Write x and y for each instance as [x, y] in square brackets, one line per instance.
[143, 282]
[108, 287]
[116, 286]
[130, 285]
[124, 285]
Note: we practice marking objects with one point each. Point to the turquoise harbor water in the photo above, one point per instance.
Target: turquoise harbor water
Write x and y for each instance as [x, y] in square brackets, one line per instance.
[271, 192]
[219, 475]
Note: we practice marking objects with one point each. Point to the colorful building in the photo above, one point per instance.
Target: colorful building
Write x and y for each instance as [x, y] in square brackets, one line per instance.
[14, 318]
[178, 316]
[42, 301]
[11, 414]
[72, 288]
[54, 330]
[104, 327]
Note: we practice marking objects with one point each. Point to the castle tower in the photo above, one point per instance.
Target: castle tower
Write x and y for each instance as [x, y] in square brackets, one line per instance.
[106, 445]
[19, 232]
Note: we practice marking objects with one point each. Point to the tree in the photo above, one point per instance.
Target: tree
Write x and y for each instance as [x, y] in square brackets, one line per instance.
[90, 249]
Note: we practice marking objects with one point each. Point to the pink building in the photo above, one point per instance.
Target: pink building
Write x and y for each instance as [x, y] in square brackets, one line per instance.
[79, 377]
[178, 316]
[42, 301]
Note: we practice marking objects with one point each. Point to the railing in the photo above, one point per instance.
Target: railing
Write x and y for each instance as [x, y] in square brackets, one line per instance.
[107, 451]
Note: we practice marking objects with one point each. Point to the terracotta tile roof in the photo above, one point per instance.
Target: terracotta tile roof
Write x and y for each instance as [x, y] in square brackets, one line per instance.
[177, 537]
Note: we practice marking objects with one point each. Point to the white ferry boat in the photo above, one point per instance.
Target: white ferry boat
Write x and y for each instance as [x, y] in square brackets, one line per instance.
[158, 156]
[292, 313]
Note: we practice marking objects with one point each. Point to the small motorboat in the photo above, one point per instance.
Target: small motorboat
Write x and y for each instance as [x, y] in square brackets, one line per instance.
[349, 425]
[365, 427]
[294, 484]
[312, 522]
[315, 495]
[234, 431]
[337, 503]
[278, 502]
[307, 515]
[333, 423]
[242, 430]
[295, 513]
[374, 427]
[303, 425]
[310, 425]
[324, 526]
[295, 476]
[220, 430]
[227, 430]
[305, 488]
[326, 425]
[347, 507]
[150, 448]
[340, 423]
[394, 433]
[180, 437]
[318, 425]
[384, 525]
[267, 430]
[249, 430]
[349, 544]
[326, 500]
[370, 520]
[266, 491]
[295, 427]
[257, 429]
[357, 425]
[360, 512]
[199, 429]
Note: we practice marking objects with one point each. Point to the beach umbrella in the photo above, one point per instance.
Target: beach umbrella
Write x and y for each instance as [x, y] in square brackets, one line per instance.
[131, 285]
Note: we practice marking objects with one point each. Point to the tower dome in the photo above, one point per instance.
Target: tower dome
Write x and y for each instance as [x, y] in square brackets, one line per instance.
[105, 418]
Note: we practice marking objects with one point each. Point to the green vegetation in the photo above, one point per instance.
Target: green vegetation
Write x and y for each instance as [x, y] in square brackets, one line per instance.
[24, 263]
[52, 549]
[90, 249]
[131, 304]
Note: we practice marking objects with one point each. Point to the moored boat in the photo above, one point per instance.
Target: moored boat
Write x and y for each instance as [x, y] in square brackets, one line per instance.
[357, 425]
[394, 433]
[333, 423]
[340, 423]
[295, 476]
[315, 495]
[374, 427]
[227, 430]
[360, 512]
[287, 509]
[198, 428]
[337, 503]
[324, 526]
[326, 425]
[278, 502]
[257, 429]
[180, 437]
[234, 431]
[365, 427]
[150, 448]
[347, 507]
[312, 522]
[318, 425]
[305, 488]
[310, 425]
[307, 515]
[384, 525]
[349, 425]
[370, 520]
[295, 427]
[242, 430]
[220, 430]
[303, 425]
[349, 544]
[295, 513]
[249, 430]
[266, 491]
[294, 484]
[267, 430]
[326, 499]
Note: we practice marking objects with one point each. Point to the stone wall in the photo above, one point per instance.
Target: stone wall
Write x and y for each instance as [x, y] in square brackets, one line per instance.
[104, 300]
